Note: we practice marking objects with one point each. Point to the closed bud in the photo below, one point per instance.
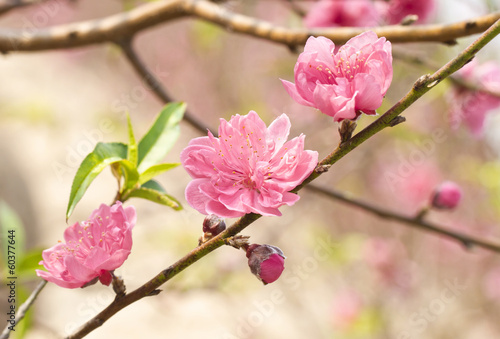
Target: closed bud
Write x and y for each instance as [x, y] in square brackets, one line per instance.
[447, 195]
[213, 224]
[266, 262]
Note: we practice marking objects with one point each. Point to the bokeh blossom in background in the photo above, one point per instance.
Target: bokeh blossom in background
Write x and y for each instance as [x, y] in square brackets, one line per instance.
[344, 84]
[470, 107]
[394, 11]
[447, 195]
[366, 13]
[91, 248]
[248, 168]
[328, 13]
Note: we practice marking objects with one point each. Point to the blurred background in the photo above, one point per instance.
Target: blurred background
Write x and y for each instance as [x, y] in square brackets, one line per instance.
[348, 274]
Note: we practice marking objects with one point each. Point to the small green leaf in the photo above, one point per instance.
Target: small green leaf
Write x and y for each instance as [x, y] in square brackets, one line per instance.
[155, 170]
[153, 191]
[132, 145]
[104, 154]
[154, 185]
[130, 173]
[161, 136]
[29, 263]
[10, 221]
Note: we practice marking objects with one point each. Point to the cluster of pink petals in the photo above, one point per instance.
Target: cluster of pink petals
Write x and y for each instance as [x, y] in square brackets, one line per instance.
[366, 13]
[447, 195]
[470, 107]
[344, 84]
[248, 168]
[334, 13]
[91, 249]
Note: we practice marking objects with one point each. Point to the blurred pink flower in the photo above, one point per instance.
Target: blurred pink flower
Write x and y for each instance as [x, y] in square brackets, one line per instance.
[447, 195]
[266, 262]
[347, 307]
[333, 13]
[388, 258]
[395, 11]
[248, 168]
[91, 249]
[344, 84]
[470, 106]
[491, 284]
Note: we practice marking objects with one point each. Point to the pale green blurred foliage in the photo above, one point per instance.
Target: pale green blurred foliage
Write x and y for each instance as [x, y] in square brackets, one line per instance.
[51, 102]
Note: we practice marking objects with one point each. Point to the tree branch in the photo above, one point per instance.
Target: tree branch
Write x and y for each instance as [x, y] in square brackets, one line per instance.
[21, 312]
[125, 25]
[143, 71]
[423, 85]
[464, 239]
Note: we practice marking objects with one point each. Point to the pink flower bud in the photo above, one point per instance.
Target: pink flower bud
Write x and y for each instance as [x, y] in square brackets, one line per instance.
[447, 195]
[213, 225]
[266, 262]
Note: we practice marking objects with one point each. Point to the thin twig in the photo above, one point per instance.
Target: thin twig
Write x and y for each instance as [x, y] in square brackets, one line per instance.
[420, 87]
[21, 312]
[464, 239]
[125, 25]
[141, 69]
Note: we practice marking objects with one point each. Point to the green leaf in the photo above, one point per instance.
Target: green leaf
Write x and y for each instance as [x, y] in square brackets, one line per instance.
[153, 191]
[104, 154]
[155, 170]
[130, 174]
[10, 221]
[29, 263]
[161, 137]
[132, 154]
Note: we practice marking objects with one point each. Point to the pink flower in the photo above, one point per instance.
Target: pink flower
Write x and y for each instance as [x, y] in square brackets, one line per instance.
[266, 262]
[248, 168]
[470, 106]
[347, 307]
[91, 249]
[395, 11]
[333, 13]
[447, 195]
[344, 84]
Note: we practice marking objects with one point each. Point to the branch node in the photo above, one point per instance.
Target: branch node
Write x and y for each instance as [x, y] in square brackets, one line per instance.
[153, 293]
[422, 81]
[397, 120]
[237, 241]
[322, 168]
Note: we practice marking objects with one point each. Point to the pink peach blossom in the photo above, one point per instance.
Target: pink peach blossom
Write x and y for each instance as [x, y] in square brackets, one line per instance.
[469, 106]
[334, 13]
[395, 11]
[248, 168]
[91, 249]
[344, 84]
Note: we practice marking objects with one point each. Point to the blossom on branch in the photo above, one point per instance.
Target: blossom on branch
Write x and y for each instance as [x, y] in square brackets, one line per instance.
[471, 106]
[335, 13]
[248, 168]
[92, 248]
[344, 84]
